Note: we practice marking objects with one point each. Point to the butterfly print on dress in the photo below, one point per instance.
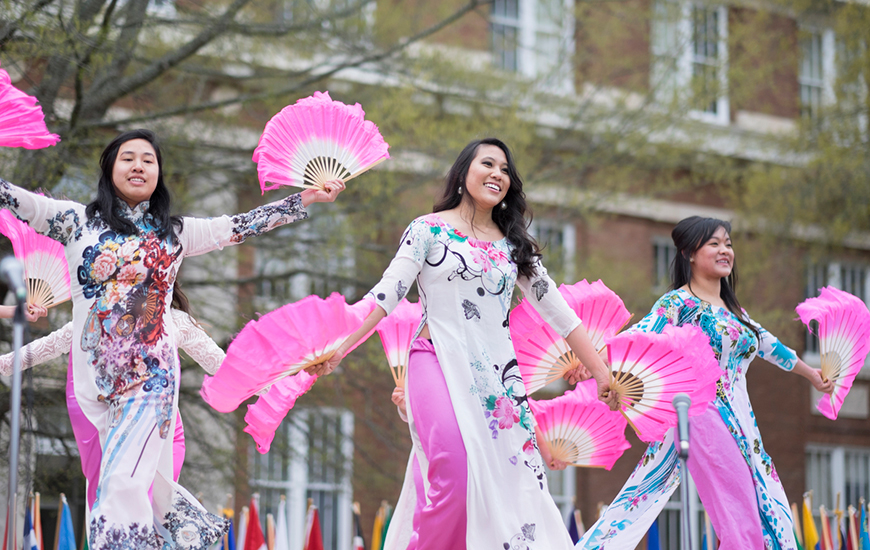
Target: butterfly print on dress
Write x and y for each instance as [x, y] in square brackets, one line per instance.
[471, 310]
[541, 287]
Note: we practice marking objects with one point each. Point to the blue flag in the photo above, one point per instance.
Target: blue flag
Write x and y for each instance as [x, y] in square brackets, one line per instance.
[228, 541]
[572, 528]
[863, 535]
[30, 542]
[652, 537]
[66, 538]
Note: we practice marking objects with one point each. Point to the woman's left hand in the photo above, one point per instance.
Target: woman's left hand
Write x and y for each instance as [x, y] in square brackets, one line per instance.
[820, 383]
[33, 313]
[327, 194]
[577, 374]
[326, 367]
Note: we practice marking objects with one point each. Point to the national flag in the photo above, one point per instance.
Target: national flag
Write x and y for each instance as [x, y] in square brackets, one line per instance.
[827, 538]
[282, 532]
[254, 539]
[811, 535]
[652, 537]
[66, 538]
[798, 537]
[228, 541]
[6, 533]
[864, 529]
[709, 539]
[36, 514]
[243, 526]
[313, 535]
[378, 528]
[359, 542]
[388, 516]
[852, 541]
[270, 532]
[576, 529]
[30, 541]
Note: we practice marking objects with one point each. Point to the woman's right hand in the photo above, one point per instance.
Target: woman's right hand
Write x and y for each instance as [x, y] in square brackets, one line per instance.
[32, 313]
[326, 367]
[398, 399]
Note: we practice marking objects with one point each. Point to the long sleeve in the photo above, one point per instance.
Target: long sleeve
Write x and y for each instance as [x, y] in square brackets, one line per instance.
[39, 351]
[406, 265]
[201, 235]
[541, 292]
[773, 351]
[196, 342]
[59, 220]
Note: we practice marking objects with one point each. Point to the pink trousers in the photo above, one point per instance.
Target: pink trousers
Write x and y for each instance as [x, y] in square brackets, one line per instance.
[443, 522]
[724, 482]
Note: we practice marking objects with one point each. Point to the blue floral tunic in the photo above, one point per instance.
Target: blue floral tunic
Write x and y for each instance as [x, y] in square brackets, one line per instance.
[658, 474]
[465, 288]
[125, 360]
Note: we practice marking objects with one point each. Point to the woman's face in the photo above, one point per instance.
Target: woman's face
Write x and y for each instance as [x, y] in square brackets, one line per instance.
[715, 258]
[487, 180]
[135, 172]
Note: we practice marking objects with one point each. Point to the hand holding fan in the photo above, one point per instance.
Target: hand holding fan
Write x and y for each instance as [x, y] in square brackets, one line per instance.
[281, 343]
[581, 430]
[45, 268]
[317, 140]
[22, 123]
[648, 369]
[542, 354]
[397, 331]
[844, 340]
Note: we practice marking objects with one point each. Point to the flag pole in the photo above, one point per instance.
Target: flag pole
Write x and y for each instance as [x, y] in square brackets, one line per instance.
[15, 424]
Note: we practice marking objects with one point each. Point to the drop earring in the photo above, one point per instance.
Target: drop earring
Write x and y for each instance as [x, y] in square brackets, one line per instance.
[503, 205]
[459, 192]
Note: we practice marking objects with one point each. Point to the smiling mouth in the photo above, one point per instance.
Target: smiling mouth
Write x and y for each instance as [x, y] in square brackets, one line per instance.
[492, 186]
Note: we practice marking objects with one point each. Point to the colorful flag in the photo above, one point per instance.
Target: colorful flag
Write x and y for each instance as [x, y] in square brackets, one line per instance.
[30, 541]
[827, 539]
[652, 537]
[313, 535]
[254, 539]
[6, 533]
[378, 528]
[798, 536]
[66, 538]
[811, 536]
[36, 513]
[228, 541]
[863, 529]
[852, 541]
[270, 532]
[243, 526]
[709, 540]
[576, 529]
[359, 542]
[282, 533]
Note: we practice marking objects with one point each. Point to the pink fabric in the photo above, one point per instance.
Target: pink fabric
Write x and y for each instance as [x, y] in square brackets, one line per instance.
[443, 522]
[724, 483]
[421, 503]
[88, 441]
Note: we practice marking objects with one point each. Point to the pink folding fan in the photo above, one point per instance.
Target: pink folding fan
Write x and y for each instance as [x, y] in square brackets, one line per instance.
[22, 123]
[397, 332]
[844, 340]
[282, 343]
[264, 416]
[581, 430]
[317, 140]
[542, 354]
[45, 267]
[649, 369]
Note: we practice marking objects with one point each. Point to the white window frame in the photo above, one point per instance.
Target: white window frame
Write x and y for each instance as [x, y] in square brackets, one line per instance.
[827, 59]
[673, 44]
[828, 470]
[562, 485]
[568, 234]
[662, 266]
[528, 26]
[673, 509]
[297, 485]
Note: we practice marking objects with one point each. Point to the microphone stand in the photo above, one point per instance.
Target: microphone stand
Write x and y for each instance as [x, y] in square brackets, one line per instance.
[683, 452]
[18, 321]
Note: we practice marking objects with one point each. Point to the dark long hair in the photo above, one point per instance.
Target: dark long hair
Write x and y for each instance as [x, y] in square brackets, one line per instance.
[158, 205]
[512, 220]
[179, 299]
[689, 236]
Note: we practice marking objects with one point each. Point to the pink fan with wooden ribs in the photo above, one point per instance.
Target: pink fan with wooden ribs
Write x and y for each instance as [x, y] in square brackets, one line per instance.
[264, 416]
[22, 123]
[317, 140]
[542, 354]
[581, 430]
[281, 343]
[648, 369]
[397, 332]
[45, 267]
[844, 341]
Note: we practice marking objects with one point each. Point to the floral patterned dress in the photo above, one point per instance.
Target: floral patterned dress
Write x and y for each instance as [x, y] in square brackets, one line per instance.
[465, 288]
[125, 359]
[658, 474]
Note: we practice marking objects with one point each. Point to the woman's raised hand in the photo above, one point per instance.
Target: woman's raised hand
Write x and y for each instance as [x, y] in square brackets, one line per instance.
[577, 374]
[327, 194]
[819, 382]
[322, 369]
[32, 313]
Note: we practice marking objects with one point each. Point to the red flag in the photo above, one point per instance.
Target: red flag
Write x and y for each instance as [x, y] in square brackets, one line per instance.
[254, 539]
[313, 536]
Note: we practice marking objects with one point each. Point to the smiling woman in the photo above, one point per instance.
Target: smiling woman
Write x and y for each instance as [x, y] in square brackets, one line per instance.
[124, 251]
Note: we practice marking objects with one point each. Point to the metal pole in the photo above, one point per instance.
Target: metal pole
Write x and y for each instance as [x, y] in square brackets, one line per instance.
[686, 535]
[15, 425]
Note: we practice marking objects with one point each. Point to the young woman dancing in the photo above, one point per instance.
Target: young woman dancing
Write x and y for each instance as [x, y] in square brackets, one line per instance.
[735, 476]
[479, 455]
[124, 251]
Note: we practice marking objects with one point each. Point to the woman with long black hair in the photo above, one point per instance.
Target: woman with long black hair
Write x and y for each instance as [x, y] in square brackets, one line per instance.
[734, 475]
[124, 251]
[474, 435]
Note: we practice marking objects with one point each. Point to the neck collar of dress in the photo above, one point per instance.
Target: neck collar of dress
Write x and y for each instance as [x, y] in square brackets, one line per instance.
[135, 214]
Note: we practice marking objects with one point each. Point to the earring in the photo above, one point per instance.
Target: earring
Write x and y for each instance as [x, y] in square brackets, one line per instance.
[503, 205]
[459, 192]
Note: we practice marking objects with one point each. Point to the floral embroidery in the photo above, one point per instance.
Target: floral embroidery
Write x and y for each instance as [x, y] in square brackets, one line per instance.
[520, 540]
[505, 411]
[262, 219]
[121, 537]
[192, 527]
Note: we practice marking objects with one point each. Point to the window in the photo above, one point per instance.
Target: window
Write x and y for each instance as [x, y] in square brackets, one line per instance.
[853, 278]
[310, 458]
[832, 471]
[690, 58]
[670, 520]
[817, 277]
[563, 488]
[534, 38]
[558, 241]
[816, 76]
[664, 253]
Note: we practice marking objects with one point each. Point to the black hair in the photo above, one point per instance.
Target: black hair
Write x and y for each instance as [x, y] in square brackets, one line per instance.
[179, 299]
[511, 220]
[689, 236]
[167, 226]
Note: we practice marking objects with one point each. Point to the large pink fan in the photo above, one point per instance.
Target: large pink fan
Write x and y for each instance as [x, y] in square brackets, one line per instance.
[317, 140]
[397, 332]
[649, 369]
[580, 429]
[542, 354]
[45, 267]
[264, 416]
[282, 343]
[22, 123]
[844, 340]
